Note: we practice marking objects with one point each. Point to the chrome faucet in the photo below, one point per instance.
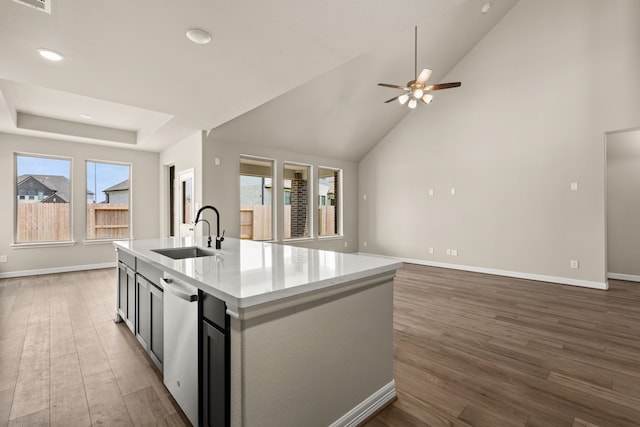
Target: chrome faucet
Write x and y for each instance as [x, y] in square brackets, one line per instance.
[219, 238]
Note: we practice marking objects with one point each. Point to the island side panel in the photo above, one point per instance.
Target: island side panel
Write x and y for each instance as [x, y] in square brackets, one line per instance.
[311, 365]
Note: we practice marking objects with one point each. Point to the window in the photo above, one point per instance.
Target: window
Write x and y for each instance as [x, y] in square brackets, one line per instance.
[43, 194]
[296, 198]
[256, 198]
[108, 200]
[329, 204]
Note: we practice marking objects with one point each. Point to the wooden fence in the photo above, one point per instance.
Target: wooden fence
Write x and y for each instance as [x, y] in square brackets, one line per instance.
[46, 222]
[255, 222]
[107, 221]
[42, 222]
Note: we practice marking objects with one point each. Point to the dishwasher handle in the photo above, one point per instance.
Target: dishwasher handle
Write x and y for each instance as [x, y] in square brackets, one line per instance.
[179, 290]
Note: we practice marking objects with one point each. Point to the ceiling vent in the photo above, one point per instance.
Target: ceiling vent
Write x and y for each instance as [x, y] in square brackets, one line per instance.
[43, 5]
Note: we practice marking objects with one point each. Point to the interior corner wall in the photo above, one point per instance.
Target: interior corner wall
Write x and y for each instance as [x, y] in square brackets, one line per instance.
[221, 185]
[184, 155]
[144, 207]
[538, 94]
[623, 204]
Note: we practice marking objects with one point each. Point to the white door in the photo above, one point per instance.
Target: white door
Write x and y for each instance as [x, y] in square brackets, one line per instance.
[185, 203]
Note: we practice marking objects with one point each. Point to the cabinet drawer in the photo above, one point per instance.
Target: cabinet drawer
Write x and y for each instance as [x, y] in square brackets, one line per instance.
[127, 259]
[151, 273]
[214, 310]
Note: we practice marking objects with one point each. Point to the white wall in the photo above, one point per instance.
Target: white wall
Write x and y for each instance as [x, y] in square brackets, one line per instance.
[184, 155]
[538, 93]
[144, 207]
[623, 204]
[222, 189]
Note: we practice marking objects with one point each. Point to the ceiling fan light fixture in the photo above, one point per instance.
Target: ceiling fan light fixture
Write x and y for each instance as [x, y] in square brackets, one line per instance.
[413, 103]
[418, 93]
[427, 98]
[402, 99]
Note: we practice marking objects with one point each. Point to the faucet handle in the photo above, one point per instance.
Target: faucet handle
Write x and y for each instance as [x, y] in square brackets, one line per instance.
[221, 238]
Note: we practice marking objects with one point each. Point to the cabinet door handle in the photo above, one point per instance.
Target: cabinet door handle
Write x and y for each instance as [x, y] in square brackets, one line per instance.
[179, 290]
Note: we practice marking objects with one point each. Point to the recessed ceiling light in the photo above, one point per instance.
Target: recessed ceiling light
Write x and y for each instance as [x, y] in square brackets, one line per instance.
[86, 116]
[486, 7]
[50, 54]
[198, 36]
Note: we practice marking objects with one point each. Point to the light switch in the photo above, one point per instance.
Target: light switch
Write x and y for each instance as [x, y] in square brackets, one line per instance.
[448, 251]
[454, 252]
[364, 244]
[217, 161]
[431, 192]
[453, 191]
[364, 197]
[574, 263]
[574, 186]
[431, 251]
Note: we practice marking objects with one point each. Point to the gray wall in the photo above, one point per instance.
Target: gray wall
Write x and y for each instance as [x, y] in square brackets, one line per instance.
[623, 204]
[144, 187]
[221, 184]
[538, 94]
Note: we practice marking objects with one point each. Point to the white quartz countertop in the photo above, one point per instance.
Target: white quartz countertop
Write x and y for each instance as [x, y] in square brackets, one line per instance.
[245, 273]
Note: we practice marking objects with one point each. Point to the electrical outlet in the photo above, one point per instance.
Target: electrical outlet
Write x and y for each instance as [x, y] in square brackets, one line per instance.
[364, 244]
[3, 258]
[448, 251]
[431, 192]
[453, 191]
[346, 244]
[574, 264]
[431, 251]
[364, 197]
[454, 252]
[574, 186]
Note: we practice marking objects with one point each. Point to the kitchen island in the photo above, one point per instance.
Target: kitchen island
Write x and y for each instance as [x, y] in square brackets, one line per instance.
[307, 334]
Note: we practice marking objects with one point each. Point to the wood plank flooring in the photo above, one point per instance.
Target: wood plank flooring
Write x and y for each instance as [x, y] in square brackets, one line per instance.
[64, 362]
[479, 350]
[470, 350]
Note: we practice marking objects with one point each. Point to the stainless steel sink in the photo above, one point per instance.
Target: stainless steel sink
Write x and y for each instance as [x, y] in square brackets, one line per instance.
[186, 252]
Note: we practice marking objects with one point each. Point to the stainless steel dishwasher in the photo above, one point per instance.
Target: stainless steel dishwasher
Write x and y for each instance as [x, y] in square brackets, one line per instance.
[180, 366]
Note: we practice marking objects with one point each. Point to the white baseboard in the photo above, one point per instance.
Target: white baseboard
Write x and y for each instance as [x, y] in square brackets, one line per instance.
[54, 270]
[368, 407]
[516, 274]
[627, 277]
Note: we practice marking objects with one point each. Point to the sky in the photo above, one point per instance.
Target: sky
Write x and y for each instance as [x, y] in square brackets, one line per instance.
[99, 175]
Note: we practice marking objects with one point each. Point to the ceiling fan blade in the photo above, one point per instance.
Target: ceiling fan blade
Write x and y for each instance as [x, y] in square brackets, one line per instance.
[440, 86]
[424, 76]
[393, 86]
[392, 99]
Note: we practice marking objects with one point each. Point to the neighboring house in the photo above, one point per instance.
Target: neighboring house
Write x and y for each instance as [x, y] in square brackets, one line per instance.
[90, 195]
[118, 193]
[43, 189]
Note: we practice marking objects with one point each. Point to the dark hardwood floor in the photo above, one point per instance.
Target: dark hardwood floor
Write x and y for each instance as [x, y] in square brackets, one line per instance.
[479, 350]
[470, 350]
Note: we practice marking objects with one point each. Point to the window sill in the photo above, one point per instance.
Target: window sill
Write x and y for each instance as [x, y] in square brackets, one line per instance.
[332, 237]
[105, 241]
[298, 239]
[43, 244]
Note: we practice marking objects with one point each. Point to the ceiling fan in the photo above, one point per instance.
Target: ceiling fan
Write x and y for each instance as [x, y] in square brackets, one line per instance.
[416, 90]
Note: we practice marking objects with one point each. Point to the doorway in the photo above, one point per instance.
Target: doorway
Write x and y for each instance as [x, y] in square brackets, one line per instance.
[185, 203]
[623, 204]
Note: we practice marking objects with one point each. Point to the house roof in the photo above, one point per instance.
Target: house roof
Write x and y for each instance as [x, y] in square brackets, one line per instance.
[57, 183]
[121, 186]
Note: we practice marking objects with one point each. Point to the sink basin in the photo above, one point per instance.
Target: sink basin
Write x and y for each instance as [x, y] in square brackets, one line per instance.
[187, 252]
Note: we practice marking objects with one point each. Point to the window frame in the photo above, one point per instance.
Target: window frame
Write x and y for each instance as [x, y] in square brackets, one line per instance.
[16, 195]
[340, 217]
[274, 193]
[88, 240]
[310, 202]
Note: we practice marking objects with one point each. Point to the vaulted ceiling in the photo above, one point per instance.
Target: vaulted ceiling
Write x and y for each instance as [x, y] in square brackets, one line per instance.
[284, 73]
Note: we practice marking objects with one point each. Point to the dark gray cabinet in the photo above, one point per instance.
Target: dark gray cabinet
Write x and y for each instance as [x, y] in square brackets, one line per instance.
[150, 320]
[127, 289]
[214, 345]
